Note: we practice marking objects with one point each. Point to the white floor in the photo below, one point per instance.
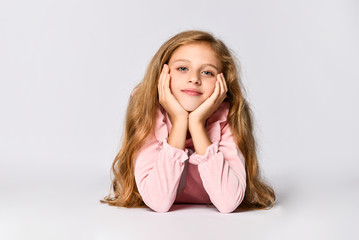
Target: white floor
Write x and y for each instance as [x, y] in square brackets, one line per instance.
[68, 208]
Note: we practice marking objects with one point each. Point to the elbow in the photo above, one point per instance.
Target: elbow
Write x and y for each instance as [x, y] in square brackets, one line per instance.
[157, 201]
[228, 207]
[158, 205]
[230, 203]
[162, 210]
[159, 208]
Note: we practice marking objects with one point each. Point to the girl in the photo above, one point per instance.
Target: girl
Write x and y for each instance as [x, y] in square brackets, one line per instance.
[189, 135]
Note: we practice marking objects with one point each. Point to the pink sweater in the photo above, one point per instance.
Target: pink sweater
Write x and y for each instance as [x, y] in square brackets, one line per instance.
[165, 175]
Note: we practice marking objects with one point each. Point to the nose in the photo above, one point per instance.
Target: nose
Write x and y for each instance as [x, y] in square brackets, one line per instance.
[194, 78]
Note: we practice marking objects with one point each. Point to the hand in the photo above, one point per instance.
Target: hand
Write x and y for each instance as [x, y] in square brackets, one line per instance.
[167, 99]
[208, 107]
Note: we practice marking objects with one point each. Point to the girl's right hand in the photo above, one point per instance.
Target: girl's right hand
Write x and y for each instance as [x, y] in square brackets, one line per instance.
[167, 99]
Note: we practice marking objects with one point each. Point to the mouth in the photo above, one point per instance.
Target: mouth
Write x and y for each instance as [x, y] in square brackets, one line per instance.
[191, 93]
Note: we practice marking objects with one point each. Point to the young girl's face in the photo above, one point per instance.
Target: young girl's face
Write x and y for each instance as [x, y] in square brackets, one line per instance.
[193, 66]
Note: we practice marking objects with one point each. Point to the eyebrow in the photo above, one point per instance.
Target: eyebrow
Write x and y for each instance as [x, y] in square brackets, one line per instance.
[209, 64]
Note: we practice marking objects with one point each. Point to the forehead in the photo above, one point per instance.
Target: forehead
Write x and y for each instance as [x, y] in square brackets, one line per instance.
[196, 53]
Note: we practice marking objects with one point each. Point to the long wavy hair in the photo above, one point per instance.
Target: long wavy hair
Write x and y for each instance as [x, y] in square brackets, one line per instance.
[140, 122]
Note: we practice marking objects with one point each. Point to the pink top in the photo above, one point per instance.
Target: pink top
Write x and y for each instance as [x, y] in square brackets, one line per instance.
[165, 175]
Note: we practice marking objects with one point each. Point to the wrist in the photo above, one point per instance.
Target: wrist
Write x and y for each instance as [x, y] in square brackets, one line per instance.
[194, 124]
[196, 121]
[180, 121]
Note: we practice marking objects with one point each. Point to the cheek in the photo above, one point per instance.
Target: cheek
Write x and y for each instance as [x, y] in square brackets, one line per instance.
[210, 88]
[213, 86]
[173, 84]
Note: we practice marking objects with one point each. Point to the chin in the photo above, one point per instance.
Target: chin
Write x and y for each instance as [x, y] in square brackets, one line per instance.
[190, 107]
[190, 104]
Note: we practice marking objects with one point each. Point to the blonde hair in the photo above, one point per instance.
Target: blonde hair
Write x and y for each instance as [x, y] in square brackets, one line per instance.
[140, 122]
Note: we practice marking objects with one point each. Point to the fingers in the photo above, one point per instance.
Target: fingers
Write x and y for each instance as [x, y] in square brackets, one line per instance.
[224, 83]
[217, 90]
[164, 90]
[221, 83]
[161, 84]
[223, 87]
[161, 81]
[167, 80]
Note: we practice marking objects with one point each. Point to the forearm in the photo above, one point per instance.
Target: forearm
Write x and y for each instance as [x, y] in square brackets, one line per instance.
[222, 170]
[200, 137]
[158, 172]
[178, 133]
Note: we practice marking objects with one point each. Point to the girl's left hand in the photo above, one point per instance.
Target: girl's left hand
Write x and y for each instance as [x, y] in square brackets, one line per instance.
[208, 107]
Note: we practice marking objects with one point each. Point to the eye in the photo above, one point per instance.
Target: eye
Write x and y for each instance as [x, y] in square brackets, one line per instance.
[211, 74]
[181, 68]
[206, 72]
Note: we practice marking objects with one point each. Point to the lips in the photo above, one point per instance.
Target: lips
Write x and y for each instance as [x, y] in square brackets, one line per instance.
[192, 92]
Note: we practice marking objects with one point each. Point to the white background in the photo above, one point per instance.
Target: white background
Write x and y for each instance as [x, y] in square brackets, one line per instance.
[67, 69]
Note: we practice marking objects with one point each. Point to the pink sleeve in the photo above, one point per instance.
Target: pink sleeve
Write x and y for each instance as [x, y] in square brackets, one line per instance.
[222, 170]
[158, 170]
